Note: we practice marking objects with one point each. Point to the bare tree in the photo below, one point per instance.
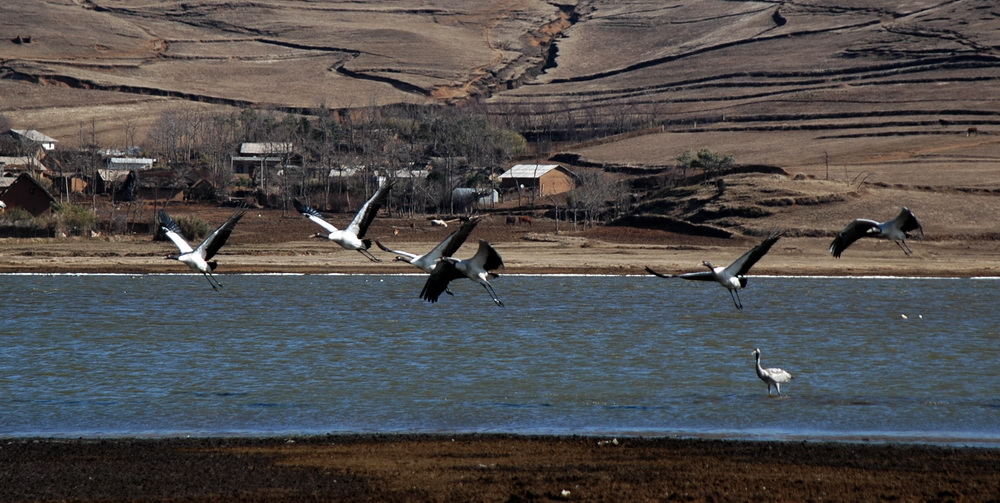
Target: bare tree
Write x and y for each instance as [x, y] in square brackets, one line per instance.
[594, 193]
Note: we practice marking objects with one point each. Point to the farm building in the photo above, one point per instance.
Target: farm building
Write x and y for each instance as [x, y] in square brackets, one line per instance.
[542, 179]
[32, 136]
[21, 163]
[26, 193]
[72, 183]
[151, 185]
[128, 163]
[465, 197]
[255, 157]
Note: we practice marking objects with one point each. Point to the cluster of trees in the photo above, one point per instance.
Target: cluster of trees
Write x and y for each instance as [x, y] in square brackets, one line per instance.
[379, 140]
[469, 146]
[706, 162]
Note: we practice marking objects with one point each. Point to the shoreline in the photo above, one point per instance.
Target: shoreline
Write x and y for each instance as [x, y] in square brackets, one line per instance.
[488, 467]
[791, 257]
[853, 438]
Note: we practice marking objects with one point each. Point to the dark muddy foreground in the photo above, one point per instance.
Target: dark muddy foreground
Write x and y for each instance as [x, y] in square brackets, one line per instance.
[489, 468]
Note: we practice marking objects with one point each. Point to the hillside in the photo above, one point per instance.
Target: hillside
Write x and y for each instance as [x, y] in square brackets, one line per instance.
[876, 105]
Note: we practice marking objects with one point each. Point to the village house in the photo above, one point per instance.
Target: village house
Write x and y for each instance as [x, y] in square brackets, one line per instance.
[128, 163]
[20, 164]
[26, 193]
[70, 183]
[538, 179]
[466, 197]
[30, 136]
[255, 159]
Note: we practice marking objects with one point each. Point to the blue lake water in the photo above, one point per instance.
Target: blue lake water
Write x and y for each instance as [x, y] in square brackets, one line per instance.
[165, 355]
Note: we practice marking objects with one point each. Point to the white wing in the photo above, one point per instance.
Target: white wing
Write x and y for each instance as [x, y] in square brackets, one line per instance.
[310, 213]
[178, 240]
[322, 223]
[173, 231]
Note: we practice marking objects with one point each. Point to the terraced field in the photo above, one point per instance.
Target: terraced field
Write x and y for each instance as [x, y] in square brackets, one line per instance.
[875, 104]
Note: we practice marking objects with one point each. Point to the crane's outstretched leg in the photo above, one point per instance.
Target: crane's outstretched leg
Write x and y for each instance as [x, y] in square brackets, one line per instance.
[369, 255]
[492, 294]
[905, 247]
[211, 280]
[736, 299]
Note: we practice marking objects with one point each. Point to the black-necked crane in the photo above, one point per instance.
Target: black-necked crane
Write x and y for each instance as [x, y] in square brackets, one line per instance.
[200, 259]
[732, 277]
[772, 376]
[352, 237]
[479, 268]
[896, 230]
[446, 248]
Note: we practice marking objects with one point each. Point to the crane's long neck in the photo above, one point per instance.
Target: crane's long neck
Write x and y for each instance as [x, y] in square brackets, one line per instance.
[720, 277]
[760, 370]
[716, 273]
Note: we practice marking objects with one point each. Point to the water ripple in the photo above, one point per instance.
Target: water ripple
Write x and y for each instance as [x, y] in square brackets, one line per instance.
[570, 355]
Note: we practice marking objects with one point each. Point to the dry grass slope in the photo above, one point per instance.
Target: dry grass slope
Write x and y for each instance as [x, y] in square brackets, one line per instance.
[871, 104]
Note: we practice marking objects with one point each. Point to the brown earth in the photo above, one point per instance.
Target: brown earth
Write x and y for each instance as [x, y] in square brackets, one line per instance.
[719, 70]
[497, 468]
[266, 241]
[872, 103]
[959, 238]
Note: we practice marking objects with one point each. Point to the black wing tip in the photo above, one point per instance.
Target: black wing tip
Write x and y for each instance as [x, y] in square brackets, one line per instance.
[304, 208]
[772, 237]
[167, 222]
[238, 214]
[429, 296]
[658, 274]
[835, 249]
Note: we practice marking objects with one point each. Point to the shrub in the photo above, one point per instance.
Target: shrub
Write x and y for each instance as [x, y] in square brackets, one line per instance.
[74, 219]
[18, 223]
[193, 228]
[16, 216]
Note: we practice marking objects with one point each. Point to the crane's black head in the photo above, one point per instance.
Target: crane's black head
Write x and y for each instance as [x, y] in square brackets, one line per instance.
[172, 257]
